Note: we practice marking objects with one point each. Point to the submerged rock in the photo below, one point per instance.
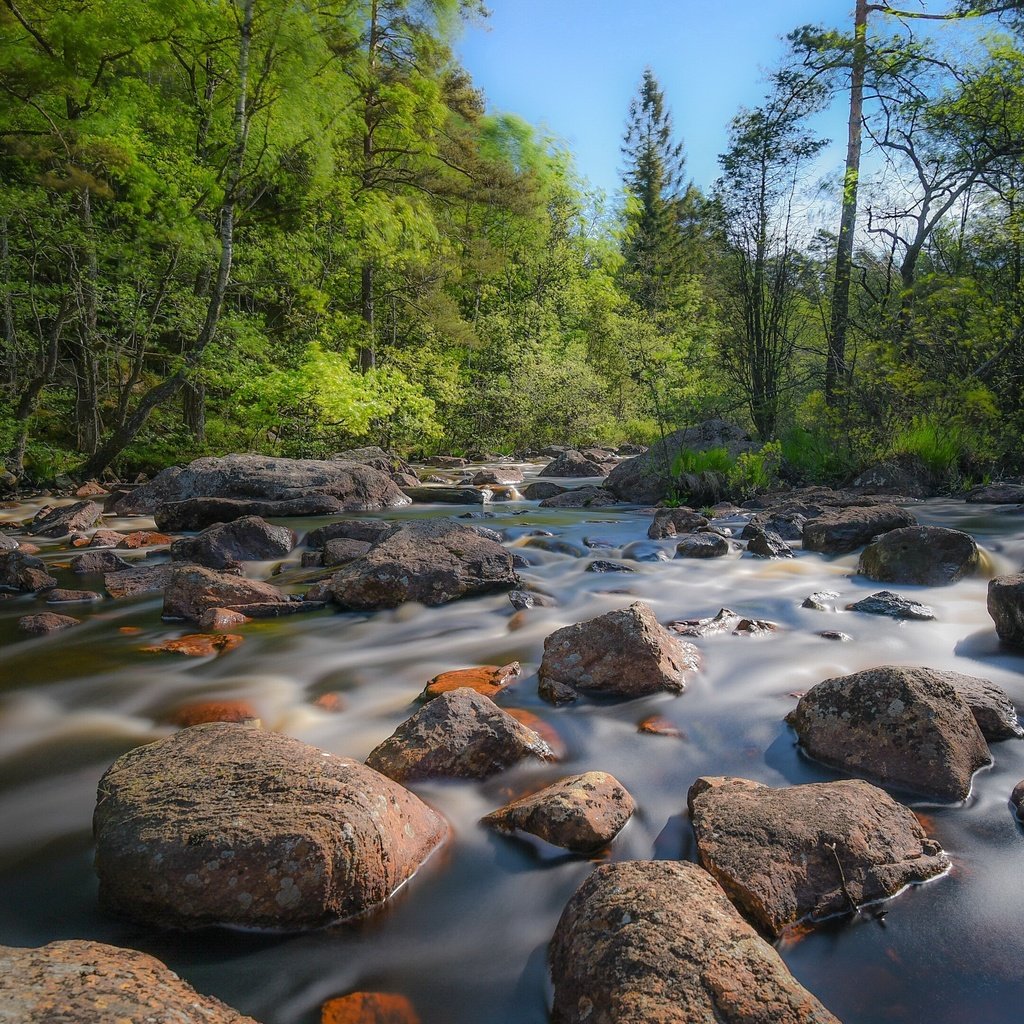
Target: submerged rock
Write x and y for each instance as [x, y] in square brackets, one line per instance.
[846, 529]
[199, 513]
[431, 561]
[895, 606]
[460, 734]
[142, 579]
[65, 519]
[197, 645]
[369, 1008]
[581, 813]
[809, 851]
[488, 680]
[929, 555]
[75, 980]
[1006, 607]
[226, 824]
[192, 590]
[903, 727]
[258, 476]
[204, 712]
[603, 565]
[658, 941]
[247, 539]
[624, 653]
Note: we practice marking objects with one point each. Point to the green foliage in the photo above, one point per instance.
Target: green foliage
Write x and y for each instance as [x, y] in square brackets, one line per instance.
[756, 472]
[714, 460]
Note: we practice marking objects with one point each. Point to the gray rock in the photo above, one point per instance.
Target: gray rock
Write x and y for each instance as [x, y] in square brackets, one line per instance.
[24, 572]
[573, 464]
[45, 622]
[65, 519]
[929, 555]
[531, 599]
[903, 474]
[141, 580]
[670, 522]
[226, 824]
[624, 653]
[643, 551]
[603, 565]
[459, 734]
[766, 544]
[581, 813]
[257, 476]
[658, 941]
[1006, 607]
[75, 980]
[248, 539]
[541, 490]
[61, 596]
[895, 606]
[787, 523]
[846, 529]
[432, 561]
[102, 561]
[702, 545]
[581, 497]
[906, 728]
[199, 513]
[193, 589]
[342, 550]
[821, 601]
[812, 851]
[448, 495]
[369, 530]
[997, 494]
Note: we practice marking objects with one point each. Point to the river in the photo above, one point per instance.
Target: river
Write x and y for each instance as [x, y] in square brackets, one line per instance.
[466, 938]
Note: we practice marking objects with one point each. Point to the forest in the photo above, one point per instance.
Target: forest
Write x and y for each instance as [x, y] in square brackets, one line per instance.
[291, 228]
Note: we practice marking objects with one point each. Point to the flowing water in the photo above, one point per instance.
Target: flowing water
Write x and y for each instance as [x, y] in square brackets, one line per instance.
[465, 939]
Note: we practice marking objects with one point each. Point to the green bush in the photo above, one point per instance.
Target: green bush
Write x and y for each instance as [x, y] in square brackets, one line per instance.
[755, 472]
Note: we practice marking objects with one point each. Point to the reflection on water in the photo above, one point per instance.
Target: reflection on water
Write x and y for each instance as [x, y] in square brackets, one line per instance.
[465, 939]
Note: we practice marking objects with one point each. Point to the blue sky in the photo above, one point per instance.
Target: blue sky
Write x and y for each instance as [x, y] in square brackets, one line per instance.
[573, 66]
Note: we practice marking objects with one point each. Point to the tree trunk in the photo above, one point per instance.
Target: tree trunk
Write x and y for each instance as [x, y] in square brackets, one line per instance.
[368, 348]
[835, 367]
[168, 388]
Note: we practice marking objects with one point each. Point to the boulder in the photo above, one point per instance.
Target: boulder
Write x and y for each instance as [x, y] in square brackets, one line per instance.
[141, 580]
[1006, 607]
[846, 529]
[895, 606]
[581, 813]
[75, 980]
[247, 539]
[96, 562]
[906, 728]
[257, 476]
[19, 571]
[902, 474]
[786, 855]
[542, 490]
[221, 619]
[369, 530]
[45, 622]
[787, 522]
[460, 734]
[604, 565]
[670, 522]
[702, 545]
[372, 455]
[229, 825]
[997, 494]
[658, 941]
[193, 589]
[446, 462]
[650, 477]
[573, 464]
[65, 519]
[581, 497]
[499, 475]
[342, 550]
[448, 495]
[431, 561]
[821, 601]
[205, 711]
[929, 555]
[104, 538]
[645, 551]
[767, 544]
[199, 513]
[61, 596]
[144, 539]
[624, 653]
[521, 599]
[991, 705]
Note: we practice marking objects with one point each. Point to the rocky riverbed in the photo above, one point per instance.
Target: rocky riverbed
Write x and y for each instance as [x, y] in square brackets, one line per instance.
[615, 715]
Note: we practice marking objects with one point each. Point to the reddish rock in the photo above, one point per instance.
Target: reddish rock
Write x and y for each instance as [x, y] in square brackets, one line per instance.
[144, 539]
[459, 734]
[198, 645]
[545, 730]
[206, 711]
[193, 590]
[487, 679]
[657, 725]
[333, 702]
[141, 580]
[624, 653]
[369, 1008]
[581, 813]
[104, 538]
[90, 489]
[231, 825]
[220, 619]
[658, 941]
[65, 519]
[45, 622]
[75, 981]
[799, 852]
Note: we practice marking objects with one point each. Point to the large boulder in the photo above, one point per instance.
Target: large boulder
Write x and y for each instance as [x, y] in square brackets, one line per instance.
[193, 589]
[1004, 493]
[846, 529]
[1006, 607]
[581, 813]
[572, 463]
[810, 851]
[624, 653]
[75, 980]
[652, 476]
[258, 476]
[902, 474]
[928, 555]
[581, 497]
[229, 825]
[199, 513]
[248, 539]
[658, 941]
[432, 561]
[23, 572]
[906, 728]
[65, 519]
[460, 734]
